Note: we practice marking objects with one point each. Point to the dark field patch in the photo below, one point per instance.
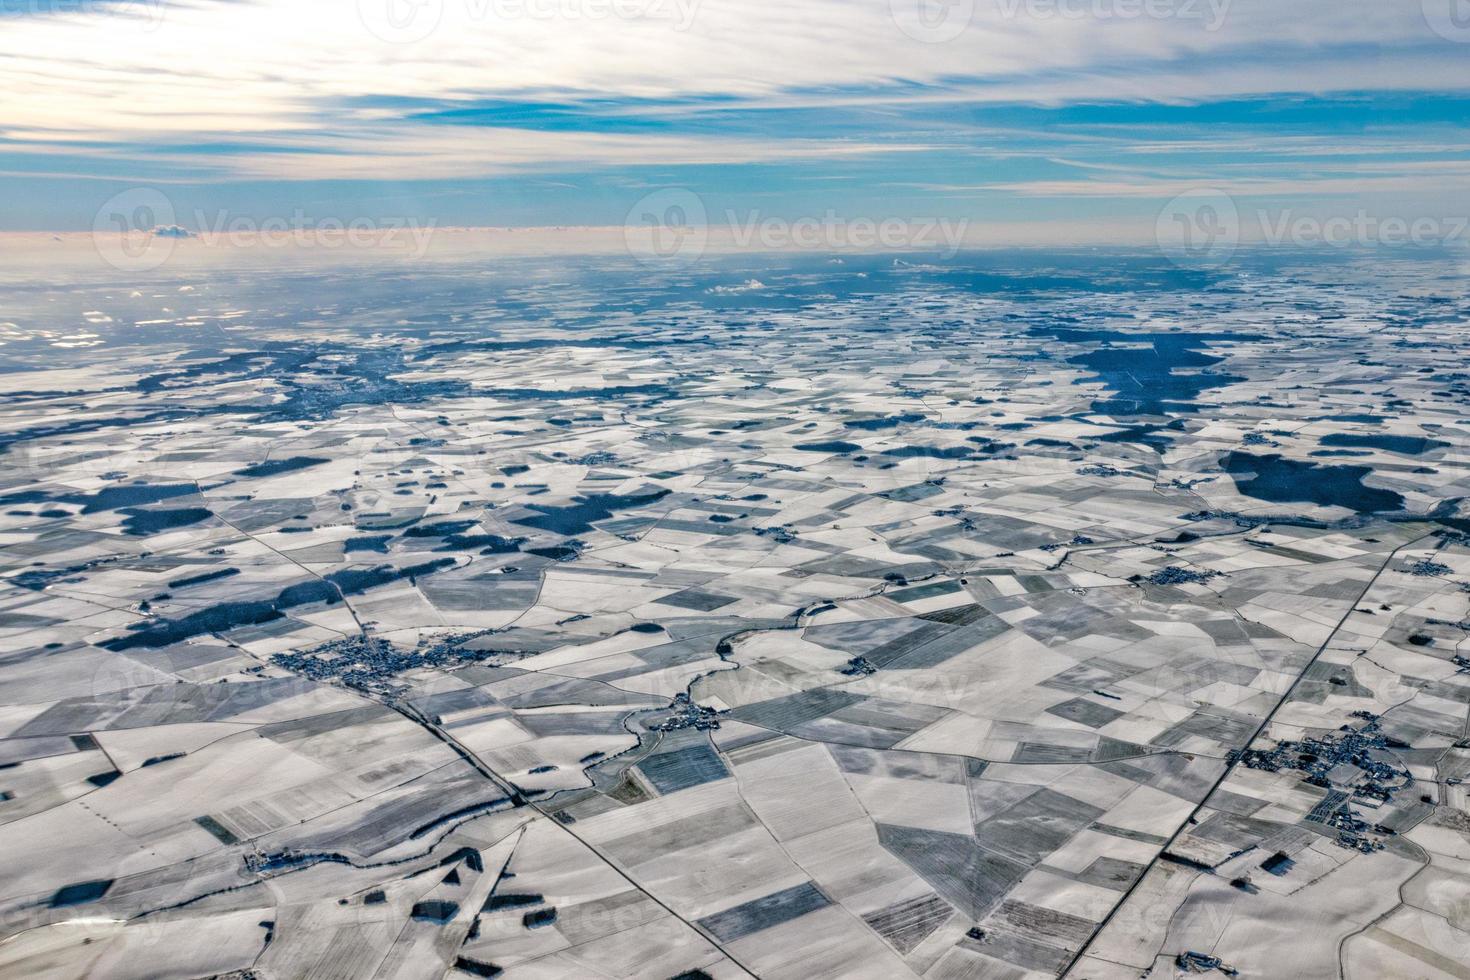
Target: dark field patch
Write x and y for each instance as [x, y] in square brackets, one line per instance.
[1036, 826]
[696, 599]
[230, 615]
[80, 893]
[828, 448]
[184, 583]
[1404, 445]
[906, 924]
[954, 865]
[1281, 480]
[579, 516]
[887, 422]
[1085, 712]
[278, 466]
[783, 714]
[146, 522]
[763, 913]
[670, 772]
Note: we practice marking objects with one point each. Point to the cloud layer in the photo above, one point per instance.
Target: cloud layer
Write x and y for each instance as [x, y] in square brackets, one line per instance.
[414, 90]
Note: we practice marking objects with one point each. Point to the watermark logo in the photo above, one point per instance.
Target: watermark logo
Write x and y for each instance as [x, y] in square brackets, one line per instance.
[92, 457]
[679, 13]
[932, 21]
[1362, 229]
[137, 231]
[674, 226]
[1458, 913]
[1203, 229]
[125, 230]
[410, 21]
[832, 232]
[940, 21]
[401, 21]
[148, 14]
[1450, 19]
[403, 235]
[1199, 229]
[1210, 13]
[669, 226]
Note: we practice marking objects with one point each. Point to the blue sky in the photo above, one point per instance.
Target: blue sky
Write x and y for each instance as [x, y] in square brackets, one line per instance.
[1041, 115]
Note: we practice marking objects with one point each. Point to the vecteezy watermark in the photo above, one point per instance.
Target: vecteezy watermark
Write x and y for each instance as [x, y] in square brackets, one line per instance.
[667, 226]
[409, 21]
[938, 21]
[138, 230]
[1362, 228]
[1210, 13]
[932, 21]
[1199, 228]
[123, 230]
[300, 230]
[401, 21]
[1450, 19]
[1204, 228]
[674, 226]
[148, 14]
[834, 233]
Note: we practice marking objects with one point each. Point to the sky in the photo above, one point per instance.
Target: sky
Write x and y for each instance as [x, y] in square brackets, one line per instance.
[1038, 120]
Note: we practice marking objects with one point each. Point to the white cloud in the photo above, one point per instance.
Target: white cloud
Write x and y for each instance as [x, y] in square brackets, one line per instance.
[1346, 186]
[313, 76]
